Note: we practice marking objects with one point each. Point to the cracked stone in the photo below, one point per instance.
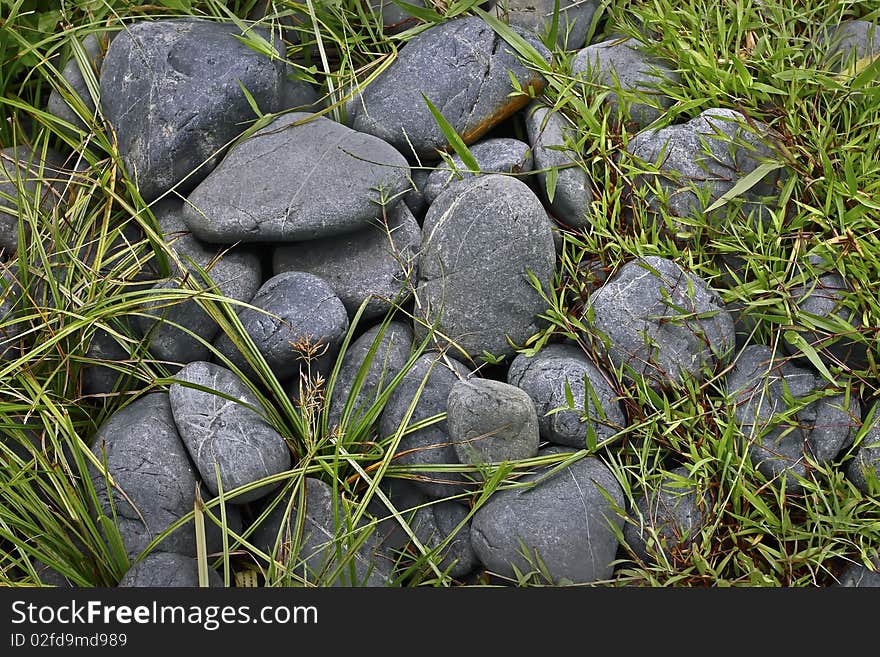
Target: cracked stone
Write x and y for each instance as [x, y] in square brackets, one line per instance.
[172, 91]
[657, 321]
[223, 431]
[563, 521]
[787, 414]
[463, 67]
[283, 184]
[368, 265]
[549, 375]
[478, 243]
[291, 310]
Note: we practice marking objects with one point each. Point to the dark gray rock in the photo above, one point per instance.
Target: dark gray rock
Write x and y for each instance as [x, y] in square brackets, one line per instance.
[155, 482]
[298, 95]
[575, 17]
[780, 435]
[478, 243]
[94, 45]
[701, 160]
[657, 321]
[101, 379]
[824, 297]
[172, 91]
[167, 570]
[545, 377]
[429, 445]
[857, 575]
[848, 43]
[864, 468]
[236, 273]
[415, 197]
[497, 155]
[553, 146]
[667, 518]
[565, 521]
[283, 184]
[620, 63]
[372, 264]
[291, 310]
[490, 422]
[395, 19]
[433, 523]
[223, 431]
[323, 538]
[24, 175]
[388, 359]
[290, 21]
[463, 67]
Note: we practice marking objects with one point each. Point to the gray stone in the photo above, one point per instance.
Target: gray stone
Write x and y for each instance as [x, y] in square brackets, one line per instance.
[464, 68]
[236, 273]
[23, 189]
[396, 19]
[291, 311]
[657, 321]
[668, 519]
[94, 46]
[98, 379]
[823, 297]
[490, 422]
[290, 21]
[433, 523]
[478, 243]
[573, 24]
[298, 95]
[322, 536]
[389, 357]
[415, 197]
[155, 482]
[497, 155]
[857, 575]
[547, 375]
[848, 43]
[864, 468]
[620, 63]
[563, 521]
[283, 184]
[374, 264]
[429, 445]
[172, 91]
[223, 431]
[700, 161]
[167, 570]
[787, 414]
[553, 146]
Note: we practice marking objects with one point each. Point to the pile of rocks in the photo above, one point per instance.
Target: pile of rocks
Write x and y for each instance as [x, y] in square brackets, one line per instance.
[361, 218]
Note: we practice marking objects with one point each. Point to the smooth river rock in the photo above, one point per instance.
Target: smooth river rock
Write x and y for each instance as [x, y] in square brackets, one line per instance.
[657, 321]
[864, 468]
[167, 570]
[300, 178]
[478, 243]
[172, 91]
[224, 432]
[573, 23]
